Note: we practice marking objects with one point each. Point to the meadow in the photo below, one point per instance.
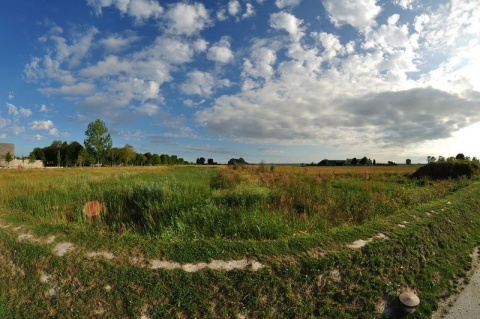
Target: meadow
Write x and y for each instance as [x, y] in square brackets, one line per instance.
[297, 221]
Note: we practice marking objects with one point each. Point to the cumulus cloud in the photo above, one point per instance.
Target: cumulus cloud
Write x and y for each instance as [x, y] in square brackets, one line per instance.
[288, 22]
[25, 112]
[138, 9]
[202, 84]
[234, 7]
[12, 109]
[187, 19]
[405, 4]
[360, 14]
[220, 51]
[249, 11]
[41, 125]
[286, 3]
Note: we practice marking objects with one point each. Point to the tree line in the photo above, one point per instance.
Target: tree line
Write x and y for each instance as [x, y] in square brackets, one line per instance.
[97, 150]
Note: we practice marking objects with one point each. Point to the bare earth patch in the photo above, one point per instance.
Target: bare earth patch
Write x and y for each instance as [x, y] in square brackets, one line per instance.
[62, 248]
[360, 243]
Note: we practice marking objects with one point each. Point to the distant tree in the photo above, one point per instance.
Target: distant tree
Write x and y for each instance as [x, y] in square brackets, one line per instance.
[441, 159]
[31, 158]
[237, 161]
[460, 157]
[201, 161]
[210, 161]
[409, 161]
[59, 158]
[363, 161]
[98, 141]
[374, 162]
[82, 157]
[431, 159]
[156, 159]
[354, 161]
[8, 158]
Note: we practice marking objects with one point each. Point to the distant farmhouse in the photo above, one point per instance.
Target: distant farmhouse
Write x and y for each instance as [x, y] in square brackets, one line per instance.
[6, 148]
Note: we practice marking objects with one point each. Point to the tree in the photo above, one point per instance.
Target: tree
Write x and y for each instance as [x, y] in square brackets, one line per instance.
[460, 157]
[409, 161]
[431, 159]
[354, 161]
[8, 157]
[59, 158]
[31, 158]
[82, 157]
[98, 141]
[364, 161]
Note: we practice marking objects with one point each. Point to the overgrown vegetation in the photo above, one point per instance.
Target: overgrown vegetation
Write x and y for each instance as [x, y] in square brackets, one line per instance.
[445, 170]
[295, 221]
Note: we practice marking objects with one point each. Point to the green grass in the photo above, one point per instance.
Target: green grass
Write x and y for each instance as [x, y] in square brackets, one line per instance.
[296, 222]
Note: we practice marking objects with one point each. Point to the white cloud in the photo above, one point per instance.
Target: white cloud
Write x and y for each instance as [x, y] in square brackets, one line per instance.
[220, 52]
[202, 84]
[15, 129]
[249, 11]
[12, 109]
[187, 19]
[234, 7]
[138, 9]
[149, 109]
[200, 45]
[405, 4]
[3, 136]
[360, 14]
[41, 125]
[43, 108]
[288, 22]
[11, 96]
[116, 43]
[260, 63]
[25, 112]
[75, 89]
[53, 131]
[286, 3]
[222, 15]
[110, 66]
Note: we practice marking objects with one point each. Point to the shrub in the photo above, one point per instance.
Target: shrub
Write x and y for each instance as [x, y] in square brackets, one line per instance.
[445, 170]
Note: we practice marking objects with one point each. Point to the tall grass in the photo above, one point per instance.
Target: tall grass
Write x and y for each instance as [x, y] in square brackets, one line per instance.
[199, 203]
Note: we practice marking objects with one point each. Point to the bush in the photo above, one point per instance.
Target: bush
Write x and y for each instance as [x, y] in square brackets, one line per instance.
[445, 170]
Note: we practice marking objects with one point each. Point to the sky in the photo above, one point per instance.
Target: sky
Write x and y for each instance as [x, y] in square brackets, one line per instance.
[279, 81]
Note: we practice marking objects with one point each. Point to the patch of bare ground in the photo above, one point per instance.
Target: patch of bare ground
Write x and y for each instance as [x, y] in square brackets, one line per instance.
[361, 242]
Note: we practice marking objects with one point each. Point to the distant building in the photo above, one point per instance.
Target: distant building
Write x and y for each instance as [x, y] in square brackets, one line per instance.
[5, 148]
[15, 163]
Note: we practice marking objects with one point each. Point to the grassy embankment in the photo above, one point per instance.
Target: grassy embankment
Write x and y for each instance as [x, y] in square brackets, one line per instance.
[295, 221]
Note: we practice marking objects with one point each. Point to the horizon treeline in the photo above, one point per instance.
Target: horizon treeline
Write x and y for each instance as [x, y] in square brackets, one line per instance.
[61, 153]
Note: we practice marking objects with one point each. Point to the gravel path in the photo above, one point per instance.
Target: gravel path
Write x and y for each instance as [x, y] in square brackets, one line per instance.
[467, 306]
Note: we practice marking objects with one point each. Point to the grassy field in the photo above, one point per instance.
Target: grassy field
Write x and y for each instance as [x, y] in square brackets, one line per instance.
[295, 222]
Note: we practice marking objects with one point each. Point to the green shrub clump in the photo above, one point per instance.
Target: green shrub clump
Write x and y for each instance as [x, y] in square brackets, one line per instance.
[446, 170]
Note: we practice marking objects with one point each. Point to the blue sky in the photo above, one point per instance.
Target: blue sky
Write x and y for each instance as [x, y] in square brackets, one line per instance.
[273, 80]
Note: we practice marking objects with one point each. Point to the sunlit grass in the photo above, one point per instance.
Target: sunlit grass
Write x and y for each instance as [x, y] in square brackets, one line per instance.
[249, 202]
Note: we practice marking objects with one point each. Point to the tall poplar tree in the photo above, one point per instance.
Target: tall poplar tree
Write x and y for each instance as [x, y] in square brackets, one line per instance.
[98, 141]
